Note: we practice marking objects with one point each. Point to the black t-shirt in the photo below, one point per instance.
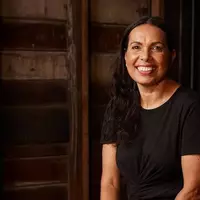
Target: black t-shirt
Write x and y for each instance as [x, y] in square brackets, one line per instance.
[151, 164]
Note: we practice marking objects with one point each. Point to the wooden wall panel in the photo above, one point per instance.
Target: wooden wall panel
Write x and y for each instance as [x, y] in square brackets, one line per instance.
[34, 92]
[34, 9]
[42, 192]
[31, 171]
[123, 12]
[102, 68]
[106, 38]
[33, 36]
[157, 8]
[34, 101]
[34, 65]
[36, 150]
[35, 124]
[39, 171]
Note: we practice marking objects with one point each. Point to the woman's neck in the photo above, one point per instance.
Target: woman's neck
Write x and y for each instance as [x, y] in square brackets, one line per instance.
[156, 95]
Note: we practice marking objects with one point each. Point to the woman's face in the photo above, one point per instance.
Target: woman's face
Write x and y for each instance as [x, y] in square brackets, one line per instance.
[148, 57]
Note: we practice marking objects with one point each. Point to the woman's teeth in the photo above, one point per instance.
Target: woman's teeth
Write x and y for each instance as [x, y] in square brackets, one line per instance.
[145, 69]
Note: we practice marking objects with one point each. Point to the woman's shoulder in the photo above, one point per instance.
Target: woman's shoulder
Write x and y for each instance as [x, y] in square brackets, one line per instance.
[186, 96]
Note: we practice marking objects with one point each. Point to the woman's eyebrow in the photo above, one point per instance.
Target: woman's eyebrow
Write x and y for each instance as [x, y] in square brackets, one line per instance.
[135, 42]
[153, 43]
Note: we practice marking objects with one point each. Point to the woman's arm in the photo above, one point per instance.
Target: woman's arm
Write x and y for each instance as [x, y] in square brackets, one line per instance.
[191, 175]
[110, 184]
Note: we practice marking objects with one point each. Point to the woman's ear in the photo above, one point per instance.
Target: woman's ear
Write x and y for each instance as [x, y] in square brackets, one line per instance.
[125, 57]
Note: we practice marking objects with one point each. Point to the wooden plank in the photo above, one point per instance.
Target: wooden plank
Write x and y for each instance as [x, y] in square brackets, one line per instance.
[102, 68]
[77, 16]
[115, 11]
[35, 124]
[46, 9]
[34, 65]
[44, 192]
[36, 150]
[106, 38]
[39, 169]
[85, 100]
[157, 8]
[33, 36]
[33, 92]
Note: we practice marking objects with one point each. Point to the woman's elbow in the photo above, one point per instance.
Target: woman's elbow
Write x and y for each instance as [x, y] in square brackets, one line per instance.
[189, 194]
[110, 182]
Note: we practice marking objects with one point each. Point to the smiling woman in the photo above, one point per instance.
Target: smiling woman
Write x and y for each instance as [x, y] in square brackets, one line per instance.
[147, 56]
[150, 133]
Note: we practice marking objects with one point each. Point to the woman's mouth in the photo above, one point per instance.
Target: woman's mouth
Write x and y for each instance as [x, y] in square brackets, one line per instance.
[145, 70]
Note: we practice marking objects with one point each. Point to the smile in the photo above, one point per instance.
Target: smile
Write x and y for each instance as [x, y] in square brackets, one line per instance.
[145, 69]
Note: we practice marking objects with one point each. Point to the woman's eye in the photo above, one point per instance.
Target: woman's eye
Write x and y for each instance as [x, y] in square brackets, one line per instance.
[135, 47]
[157, 48]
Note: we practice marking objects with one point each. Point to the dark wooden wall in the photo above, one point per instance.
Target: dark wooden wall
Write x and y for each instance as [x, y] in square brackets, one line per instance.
[107, 22]
[183, 19]
[34, 100]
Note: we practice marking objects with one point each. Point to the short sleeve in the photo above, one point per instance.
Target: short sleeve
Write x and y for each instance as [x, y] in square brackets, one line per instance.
[191, 131]
[108, 133]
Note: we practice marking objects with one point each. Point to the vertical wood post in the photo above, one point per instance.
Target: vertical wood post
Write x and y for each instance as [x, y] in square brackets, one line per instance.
[157, 8]
[77, 30]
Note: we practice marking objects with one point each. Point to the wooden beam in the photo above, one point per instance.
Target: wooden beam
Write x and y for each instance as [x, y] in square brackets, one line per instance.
[33, 92]
[19, 171]
[106, 38]
[35, 150]
[33, 36]
[77, 11]
[34, 124]
[41, 192]
[85, 100]
[157, 8]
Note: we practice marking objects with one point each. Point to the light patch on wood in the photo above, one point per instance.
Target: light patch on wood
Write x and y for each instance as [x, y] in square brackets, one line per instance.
[102, 68]
[157, 8]
[22, 8]
[123, 11]
[56, 9]
[34, 65]
[37, 8]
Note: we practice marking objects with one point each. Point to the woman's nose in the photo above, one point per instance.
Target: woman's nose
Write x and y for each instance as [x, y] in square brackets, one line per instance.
[144, 56]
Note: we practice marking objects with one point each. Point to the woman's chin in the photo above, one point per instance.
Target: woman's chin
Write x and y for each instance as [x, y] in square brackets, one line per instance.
[146, 83]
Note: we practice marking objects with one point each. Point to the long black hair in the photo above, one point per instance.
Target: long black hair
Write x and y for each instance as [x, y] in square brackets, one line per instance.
[122, 116]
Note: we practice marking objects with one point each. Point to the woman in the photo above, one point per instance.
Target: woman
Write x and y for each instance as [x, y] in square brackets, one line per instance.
[150, 133]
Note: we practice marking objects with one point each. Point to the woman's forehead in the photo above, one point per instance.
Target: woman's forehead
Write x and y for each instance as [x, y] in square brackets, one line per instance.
[147, 33]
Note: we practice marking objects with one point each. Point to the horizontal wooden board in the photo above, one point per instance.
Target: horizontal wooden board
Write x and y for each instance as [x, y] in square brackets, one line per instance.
[34, 170]
[116, 11]
[35, 124]
[33, 36]
[33, 92]
[105, 38]
[34, 65]
[37, 9]
[35, 150]
[43, 192]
